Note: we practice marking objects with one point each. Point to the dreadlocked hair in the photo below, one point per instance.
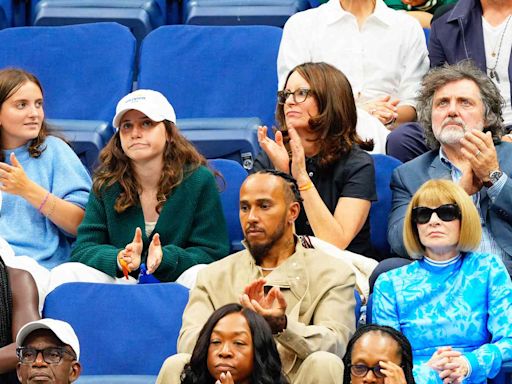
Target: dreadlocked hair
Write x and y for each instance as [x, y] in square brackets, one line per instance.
[5, 306]
[405, 349]
[181, 158]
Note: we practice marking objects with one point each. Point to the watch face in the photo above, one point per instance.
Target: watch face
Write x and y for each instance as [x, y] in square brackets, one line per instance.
[495, 176]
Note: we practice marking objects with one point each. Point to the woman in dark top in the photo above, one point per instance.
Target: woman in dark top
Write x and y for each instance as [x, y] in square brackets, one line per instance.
[317, 143]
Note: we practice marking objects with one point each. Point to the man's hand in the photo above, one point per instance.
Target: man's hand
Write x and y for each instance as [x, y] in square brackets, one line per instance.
[131, 253]
[507, 138]
[469, 181]
[271, 306]
[478, 148]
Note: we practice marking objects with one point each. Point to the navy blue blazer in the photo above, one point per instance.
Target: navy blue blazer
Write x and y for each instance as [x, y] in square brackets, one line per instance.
[458, 35]
[408, 177]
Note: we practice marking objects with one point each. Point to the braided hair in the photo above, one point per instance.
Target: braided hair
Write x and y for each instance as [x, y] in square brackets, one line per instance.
[293, 188]
[404, 349]
[5, 306]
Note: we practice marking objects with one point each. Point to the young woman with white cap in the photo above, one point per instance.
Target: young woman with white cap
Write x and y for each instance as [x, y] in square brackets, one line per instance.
[154, 201]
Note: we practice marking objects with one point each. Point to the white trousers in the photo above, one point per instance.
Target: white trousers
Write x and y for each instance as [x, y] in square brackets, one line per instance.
[78, 272]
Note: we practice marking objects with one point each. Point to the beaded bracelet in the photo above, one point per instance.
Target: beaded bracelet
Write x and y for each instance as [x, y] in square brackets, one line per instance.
[44, 202]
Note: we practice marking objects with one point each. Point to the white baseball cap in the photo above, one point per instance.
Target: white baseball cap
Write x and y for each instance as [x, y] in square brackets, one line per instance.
[151, 103]
[62, 330]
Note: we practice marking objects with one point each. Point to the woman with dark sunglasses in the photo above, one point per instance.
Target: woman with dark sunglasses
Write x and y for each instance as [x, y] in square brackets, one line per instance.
[378, 354]
[454, 305]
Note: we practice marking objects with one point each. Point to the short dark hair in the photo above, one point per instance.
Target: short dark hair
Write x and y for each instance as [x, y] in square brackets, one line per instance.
[337, 113]
[464, 70]
[291, 186]
[267, 364]
[405, 349]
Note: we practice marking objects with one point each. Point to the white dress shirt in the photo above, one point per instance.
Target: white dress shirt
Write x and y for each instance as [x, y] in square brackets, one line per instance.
[387, 56]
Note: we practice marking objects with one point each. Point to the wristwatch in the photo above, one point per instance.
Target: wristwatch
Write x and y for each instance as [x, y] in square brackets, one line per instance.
[494, 176]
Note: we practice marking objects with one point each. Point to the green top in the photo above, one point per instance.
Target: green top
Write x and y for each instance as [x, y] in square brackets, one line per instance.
[429, 5]
[191, 225]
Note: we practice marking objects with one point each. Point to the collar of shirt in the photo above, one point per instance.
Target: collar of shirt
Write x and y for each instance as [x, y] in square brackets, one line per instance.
[333, 11]
[462, 9]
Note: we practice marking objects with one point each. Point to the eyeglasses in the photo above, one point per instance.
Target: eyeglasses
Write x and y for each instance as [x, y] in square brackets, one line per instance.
[446, 212]
[51, 355]
[361, 370]
[299, 95]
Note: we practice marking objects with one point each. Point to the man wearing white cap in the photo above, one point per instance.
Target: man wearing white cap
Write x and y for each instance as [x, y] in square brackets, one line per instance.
[48, 351]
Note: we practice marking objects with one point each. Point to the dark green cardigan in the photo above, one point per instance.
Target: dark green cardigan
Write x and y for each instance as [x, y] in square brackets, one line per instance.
[191, 225]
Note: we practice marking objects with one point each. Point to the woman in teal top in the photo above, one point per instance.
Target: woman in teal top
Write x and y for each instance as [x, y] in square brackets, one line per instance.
[153, 200]
[453, 305]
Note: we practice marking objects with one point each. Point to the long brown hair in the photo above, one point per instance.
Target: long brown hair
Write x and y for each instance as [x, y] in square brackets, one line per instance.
[11, 80]
[180, 159]
[337, 118]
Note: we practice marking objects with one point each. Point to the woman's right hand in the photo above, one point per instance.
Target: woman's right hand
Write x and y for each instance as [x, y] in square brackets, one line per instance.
[131, 253]
[393, 372]
[275, 150]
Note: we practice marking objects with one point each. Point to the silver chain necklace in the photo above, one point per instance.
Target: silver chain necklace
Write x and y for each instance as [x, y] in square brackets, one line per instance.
[492, 71]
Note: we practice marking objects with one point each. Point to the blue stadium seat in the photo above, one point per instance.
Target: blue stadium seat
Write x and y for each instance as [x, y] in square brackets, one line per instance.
[213, 72]
[426, 31]
[84, 70]
[6, 14]
[379, 212]
[233, 139]
[233, 175]
[141, 16]
[241, 12]
[114, 320]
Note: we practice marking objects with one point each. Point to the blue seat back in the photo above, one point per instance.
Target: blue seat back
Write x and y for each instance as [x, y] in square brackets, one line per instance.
[113, 320]
[141, 16]
[6, 13]
[241, 12]
[233, 175]
[211, 72]
[379, 212]
[84, 69]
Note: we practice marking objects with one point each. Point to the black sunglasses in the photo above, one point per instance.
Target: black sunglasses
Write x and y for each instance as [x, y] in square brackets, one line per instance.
[361, 370]
[446, 212]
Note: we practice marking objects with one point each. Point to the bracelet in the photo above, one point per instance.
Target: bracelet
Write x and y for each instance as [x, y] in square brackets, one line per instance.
[306, 186]
[44, 202]
[52, 208]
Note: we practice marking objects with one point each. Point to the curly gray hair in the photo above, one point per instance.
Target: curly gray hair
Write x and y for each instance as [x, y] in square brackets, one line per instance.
[464, 70]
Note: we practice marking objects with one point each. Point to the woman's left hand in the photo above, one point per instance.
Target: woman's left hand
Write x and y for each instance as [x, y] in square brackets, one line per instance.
[225, 378]
[393, 372]
[299, 171]
[155, 254]
[13, 178]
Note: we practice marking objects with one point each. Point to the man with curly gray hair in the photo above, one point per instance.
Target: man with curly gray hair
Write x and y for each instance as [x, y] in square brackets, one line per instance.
[460, 110]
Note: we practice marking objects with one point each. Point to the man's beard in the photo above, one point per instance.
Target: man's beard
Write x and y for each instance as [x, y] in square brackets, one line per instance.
[259, 251]
[452, 136]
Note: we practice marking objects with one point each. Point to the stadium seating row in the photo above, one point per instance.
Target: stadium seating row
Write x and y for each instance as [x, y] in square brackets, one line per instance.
[131, 329]
[142, 16]
[221, 80]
